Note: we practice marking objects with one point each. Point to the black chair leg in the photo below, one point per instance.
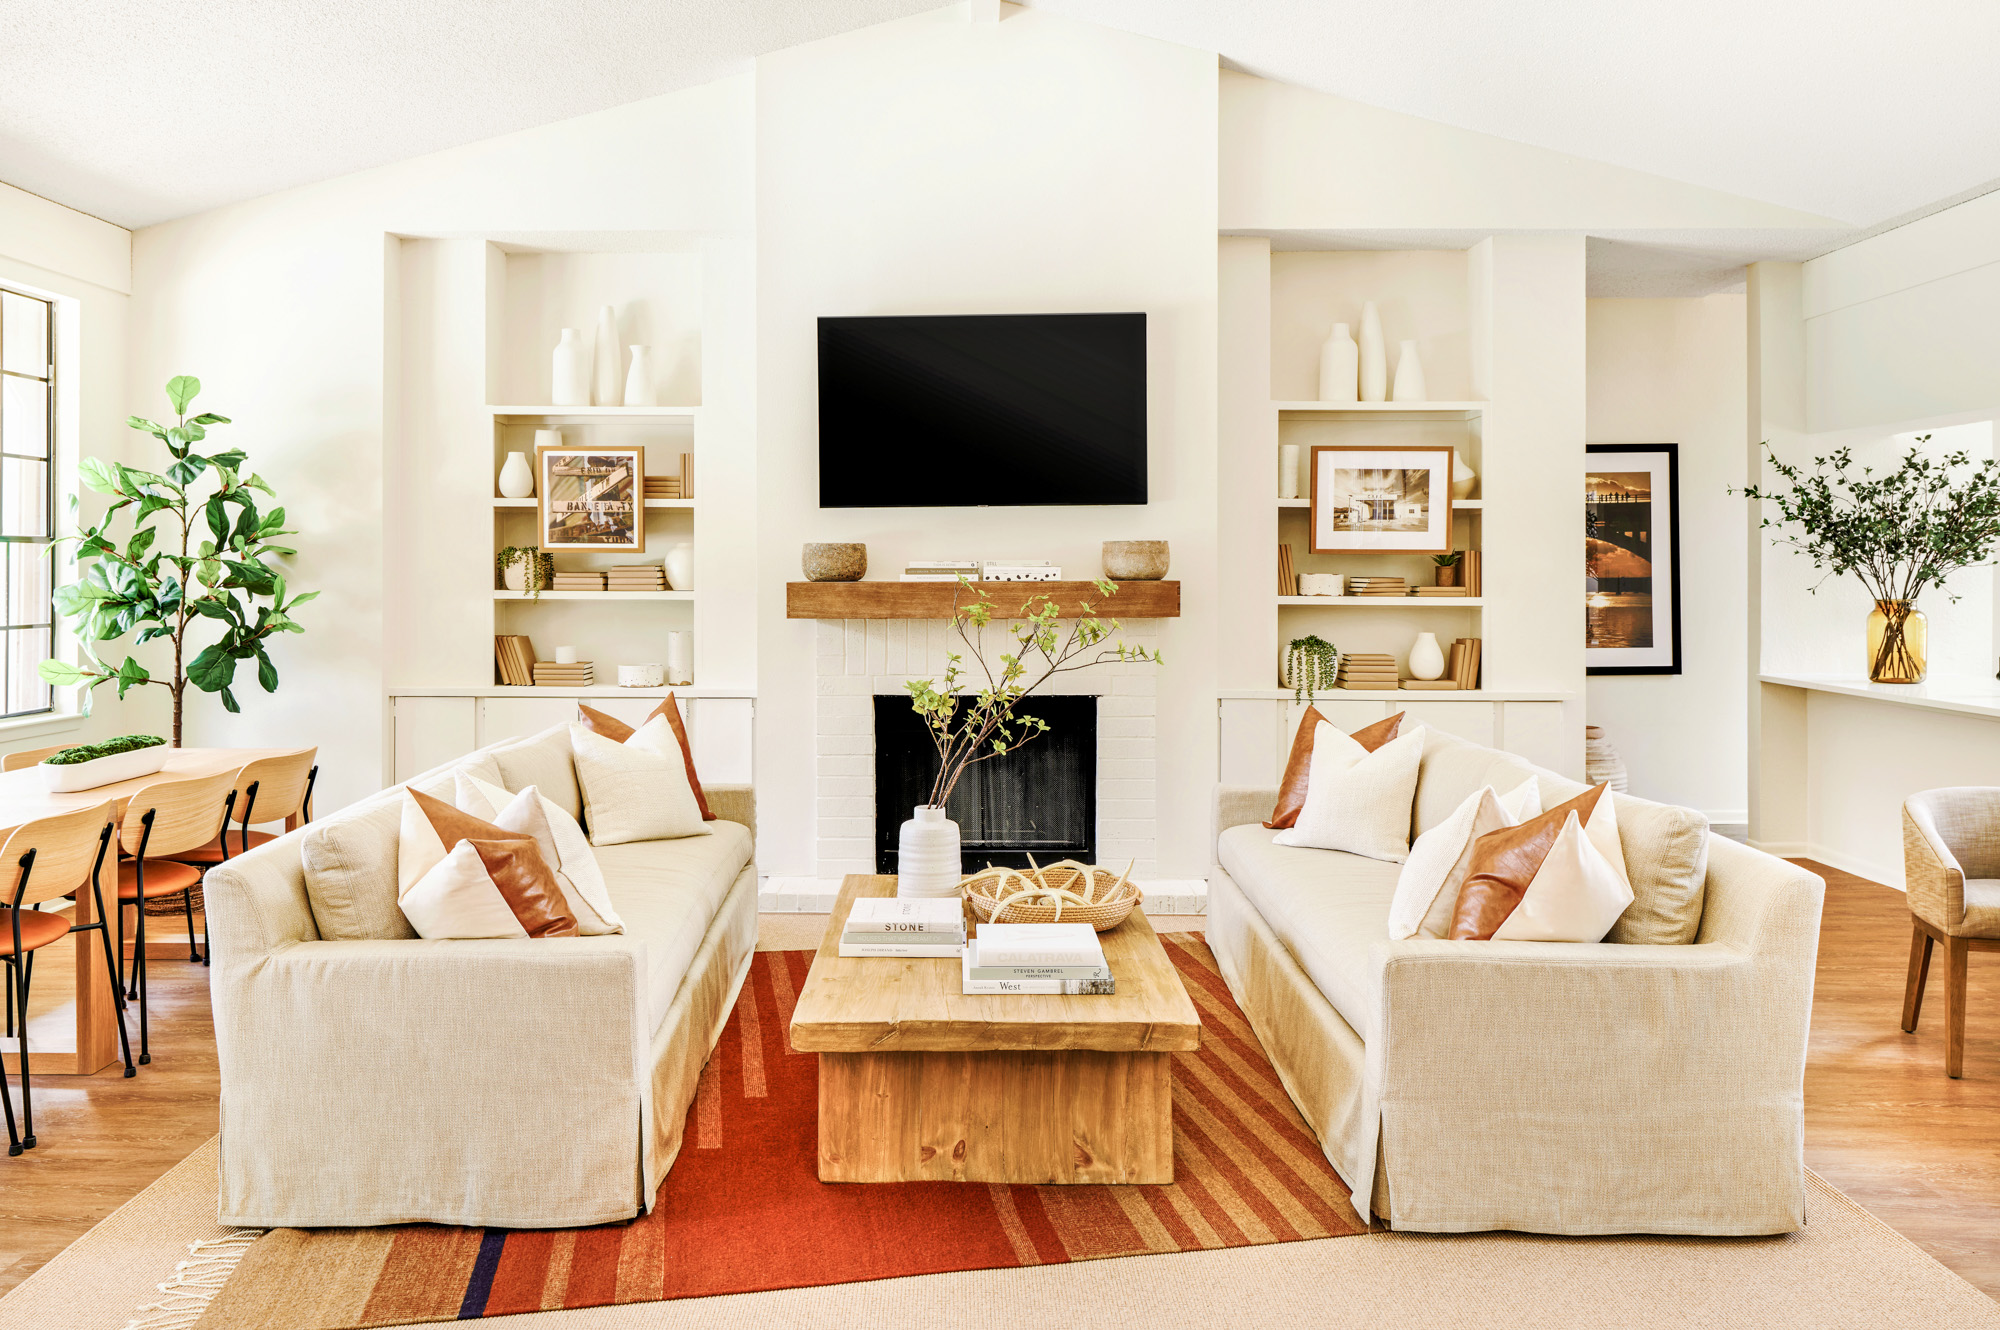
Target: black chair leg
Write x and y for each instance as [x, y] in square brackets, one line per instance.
[19, 973]
[139, 983]
[7, 1100]
[187, 905]
[131, 988]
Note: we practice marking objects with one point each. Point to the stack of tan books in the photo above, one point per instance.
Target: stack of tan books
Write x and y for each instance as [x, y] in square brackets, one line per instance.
[548, 674]
[514, 654]
[1366, 670]
[636, 577]
[677, 486]
[1377, 586]
[1440, 591]
[1288, 579]
[578, 581]
[1472, 573]
[1462, 664]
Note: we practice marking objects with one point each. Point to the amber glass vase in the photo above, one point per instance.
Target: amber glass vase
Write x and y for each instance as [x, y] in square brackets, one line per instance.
[1898, 641]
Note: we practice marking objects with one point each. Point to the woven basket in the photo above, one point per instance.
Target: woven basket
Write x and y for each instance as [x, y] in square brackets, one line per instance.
[1108, 896]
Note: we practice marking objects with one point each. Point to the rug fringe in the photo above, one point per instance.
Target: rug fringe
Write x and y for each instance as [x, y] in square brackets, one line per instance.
[196, 1282]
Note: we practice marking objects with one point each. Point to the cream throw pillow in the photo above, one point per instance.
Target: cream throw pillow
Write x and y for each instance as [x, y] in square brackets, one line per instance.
[1427, 890]
[1356, 800]
[455, 898]
[637, 790]
[562, 842]
[1580, 889]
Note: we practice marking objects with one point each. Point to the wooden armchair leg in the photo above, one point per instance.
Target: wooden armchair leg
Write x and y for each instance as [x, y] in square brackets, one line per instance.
[1956, 949]
[1920, 969]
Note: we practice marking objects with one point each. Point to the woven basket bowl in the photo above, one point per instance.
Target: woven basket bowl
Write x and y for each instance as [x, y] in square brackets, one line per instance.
[985, 889]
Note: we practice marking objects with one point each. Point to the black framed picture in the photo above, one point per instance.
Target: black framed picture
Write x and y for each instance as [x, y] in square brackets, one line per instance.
[1632, 558]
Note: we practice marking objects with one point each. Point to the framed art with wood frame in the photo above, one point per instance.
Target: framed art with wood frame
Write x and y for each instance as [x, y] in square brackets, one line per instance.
[1381, 500]
[591, 499]
[1632, 558]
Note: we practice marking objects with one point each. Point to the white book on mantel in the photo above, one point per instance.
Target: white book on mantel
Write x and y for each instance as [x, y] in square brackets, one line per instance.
[954, 565]
[1038, 945]
[902, 915]
[1011, 573]
[930, 577]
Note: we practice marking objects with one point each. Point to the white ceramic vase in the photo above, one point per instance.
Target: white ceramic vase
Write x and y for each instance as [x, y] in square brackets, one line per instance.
[1374, 359]
[1339, 362]
[1463, 478]
[515, 576]
[680, 566]
[517, 478]
[569, 384]
[680, 658]
[1601, 763]
[640, 389]
[1409, 386]
[608, 387]
[927, 854]
[1426, 660]
[1288, 471]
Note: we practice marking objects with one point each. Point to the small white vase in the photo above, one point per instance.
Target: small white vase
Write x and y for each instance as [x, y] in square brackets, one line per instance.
[1339, 361]
[569, 384]
[640, 389]
[515, 576]
[1463, 478]
[1426, 660]
[607, 388]
[517, 478]
[927, 854]
[1374, 360]
[1409, 385]
[680, 566]
[680, 658]
[1288, 471]
[1601, 763]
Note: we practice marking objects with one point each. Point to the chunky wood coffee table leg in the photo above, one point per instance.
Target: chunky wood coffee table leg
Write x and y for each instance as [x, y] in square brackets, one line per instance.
[1010, 1116]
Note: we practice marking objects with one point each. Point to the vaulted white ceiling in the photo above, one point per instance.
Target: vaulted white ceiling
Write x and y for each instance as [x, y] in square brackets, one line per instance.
[142, 110]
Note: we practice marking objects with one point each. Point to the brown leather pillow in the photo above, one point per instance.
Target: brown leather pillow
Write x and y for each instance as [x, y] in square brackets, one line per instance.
[617, 731]
[1504, 862]
[1298, 767]
[515, 863]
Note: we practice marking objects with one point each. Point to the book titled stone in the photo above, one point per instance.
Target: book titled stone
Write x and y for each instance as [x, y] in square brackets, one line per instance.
[893, 915]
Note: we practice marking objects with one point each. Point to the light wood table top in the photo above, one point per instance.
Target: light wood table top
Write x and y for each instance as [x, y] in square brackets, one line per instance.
[878, 1005]
[23, 796]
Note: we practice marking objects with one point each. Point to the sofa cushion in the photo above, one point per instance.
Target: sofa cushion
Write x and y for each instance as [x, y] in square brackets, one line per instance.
[668, 892]
[543, 761]
[1453, 768]
[1328, 908]
[350, 866]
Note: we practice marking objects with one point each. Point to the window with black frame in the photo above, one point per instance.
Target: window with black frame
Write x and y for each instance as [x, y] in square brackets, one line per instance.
[27, 505]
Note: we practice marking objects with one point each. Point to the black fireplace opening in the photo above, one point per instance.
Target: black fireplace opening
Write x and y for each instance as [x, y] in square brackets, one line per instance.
[1040, 799]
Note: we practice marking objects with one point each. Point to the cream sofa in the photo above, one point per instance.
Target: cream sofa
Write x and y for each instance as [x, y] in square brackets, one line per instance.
[1651, 1083]
[372, 1077]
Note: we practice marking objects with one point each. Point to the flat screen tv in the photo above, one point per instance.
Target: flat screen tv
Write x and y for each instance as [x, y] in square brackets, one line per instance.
[982, 410]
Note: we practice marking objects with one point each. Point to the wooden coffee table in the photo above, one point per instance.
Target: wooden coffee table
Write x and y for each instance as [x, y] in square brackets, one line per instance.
[918, 1082]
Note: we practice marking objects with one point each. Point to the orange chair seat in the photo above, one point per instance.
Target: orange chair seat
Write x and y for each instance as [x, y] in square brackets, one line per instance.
[164, 877]
[211, 853]
[38, 929]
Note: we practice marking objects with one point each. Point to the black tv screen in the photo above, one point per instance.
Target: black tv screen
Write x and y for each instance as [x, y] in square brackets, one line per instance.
[982, 410]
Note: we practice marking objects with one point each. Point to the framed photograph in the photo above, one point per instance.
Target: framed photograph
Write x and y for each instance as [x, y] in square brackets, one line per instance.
[1632, 558]
[1381, 500]
[591, 499]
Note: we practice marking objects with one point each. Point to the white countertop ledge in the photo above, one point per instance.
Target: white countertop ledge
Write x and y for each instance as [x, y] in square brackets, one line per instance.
[1970, 697]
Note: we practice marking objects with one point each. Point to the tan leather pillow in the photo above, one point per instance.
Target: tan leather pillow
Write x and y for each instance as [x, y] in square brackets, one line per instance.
[514, 862]
[1298, 767]
[1504, 862]
[617, 731]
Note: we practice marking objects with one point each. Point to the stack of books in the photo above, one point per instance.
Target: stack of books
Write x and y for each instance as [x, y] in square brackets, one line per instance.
[1462, 663]
[637, 577]
[1036, 958]
[515, 656]
[548, 674]
[940, 570]
[1288, 578]
[1472, 573]
[1019, 570]
[679, 486]
[905, 927]
[1440, 591]
[1366, 670]
[578, 581]
[1377, 586]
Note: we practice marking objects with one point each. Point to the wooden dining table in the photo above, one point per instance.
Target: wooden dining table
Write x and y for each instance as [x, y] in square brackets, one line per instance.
[24, 798]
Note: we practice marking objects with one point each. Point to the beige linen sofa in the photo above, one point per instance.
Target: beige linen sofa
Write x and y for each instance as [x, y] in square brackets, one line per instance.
[373, 1077]
[1650, 1083]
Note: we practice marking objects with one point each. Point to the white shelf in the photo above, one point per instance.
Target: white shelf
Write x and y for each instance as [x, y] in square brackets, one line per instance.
[1459, 410]
[650, 503]
[1386, 602]
[586, 414]
[1457, 505]
[588, 690]
[598, 595]
[1967, 697]
[1428, 694]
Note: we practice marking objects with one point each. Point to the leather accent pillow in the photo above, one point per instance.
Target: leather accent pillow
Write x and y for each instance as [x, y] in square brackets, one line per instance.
[1505, 865]
[460, 877]
[1298, 767]
[617, 731]
[564, 847]
[1427, 889]
[1358, 801]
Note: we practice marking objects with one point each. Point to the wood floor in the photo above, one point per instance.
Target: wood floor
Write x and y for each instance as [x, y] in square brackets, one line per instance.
[1883, 1122]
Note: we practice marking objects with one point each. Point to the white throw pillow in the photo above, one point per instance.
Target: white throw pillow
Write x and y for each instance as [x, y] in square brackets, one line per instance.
[637, 790]
[562, 842]
[1356, 800]
[1577, 893]
[1427, 890]
[456, 898]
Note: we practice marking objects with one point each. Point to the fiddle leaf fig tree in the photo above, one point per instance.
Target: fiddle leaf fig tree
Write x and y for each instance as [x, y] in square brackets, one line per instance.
[198, 548]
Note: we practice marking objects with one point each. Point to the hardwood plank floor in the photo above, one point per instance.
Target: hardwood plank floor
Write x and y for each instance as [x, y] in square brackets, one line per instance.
[1883, 1122]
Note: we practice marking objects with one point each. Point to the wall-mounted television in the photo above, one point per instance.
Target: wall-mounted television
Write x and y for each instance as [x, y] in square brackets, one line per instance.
[982, 410]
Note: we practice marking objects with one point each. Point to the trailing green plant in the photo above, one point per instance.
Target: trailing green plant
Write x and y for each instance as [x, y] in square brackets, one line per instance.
[986, 727]
[124, 743]
[161, 587]
[1312, 663]
[538, 570]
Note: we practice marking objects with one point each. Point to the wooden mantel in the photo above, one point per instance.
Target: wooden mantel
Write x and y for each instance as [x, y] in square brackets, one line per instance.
[934, 600]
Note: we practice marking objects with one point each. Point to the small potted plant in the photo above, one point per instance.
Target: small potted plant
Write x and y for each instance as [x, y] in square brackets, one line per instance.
[1447, 567]
[88, 766]
[1311, 665]
[525, 568]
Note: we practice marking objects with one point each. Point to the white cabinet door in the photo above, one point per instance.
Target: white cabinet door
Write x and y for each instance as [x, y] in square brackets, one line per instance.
[431, 731]
[1471, 721]
[721, 732]
[632, 710]
[518, 717]
[1535, 730]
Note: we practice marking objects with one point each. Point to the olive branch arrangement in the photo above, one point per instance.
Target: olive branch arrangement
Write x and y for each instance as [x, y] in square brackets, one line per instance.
[986, 727]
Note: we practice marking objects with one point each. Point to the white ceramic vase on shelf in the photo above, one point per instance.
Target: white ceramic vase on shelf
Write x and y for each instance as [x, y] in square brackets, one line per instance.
[1374, 359]
[517, 478]
[608, 389]
[1288, 471]
[1426, 660]
[927, 861]
[680, 659]
[1463, 478]
[1409, 385]
[639, 380]
[680, 566]
[1339, 367]
[569, 383]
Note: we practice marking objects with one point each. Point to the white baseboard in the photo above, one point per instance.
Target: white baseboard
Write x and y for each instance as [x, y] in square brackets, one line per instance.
[815, 895]
[1890, 875]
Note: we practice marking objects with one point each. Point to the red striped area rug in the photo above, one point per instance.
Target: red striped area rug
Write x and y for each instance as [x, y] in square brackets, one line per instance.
[743, 1209]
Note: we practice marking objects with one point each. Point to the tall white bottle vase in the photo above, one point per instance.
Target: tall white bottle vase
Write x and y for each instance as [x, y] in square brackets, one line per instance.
[1426, 660]
[680, 659]
[517, 478]
[1339, 367]
[1374, 360]
[640, 386]
[1409, 385]
[608, 387]
[1288, 471]
[569, 383]
[927, 858]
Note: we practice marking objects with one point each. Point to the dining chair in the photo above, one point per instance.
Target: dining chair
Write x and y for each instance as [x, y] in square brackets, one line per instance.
[1951, 868]
[282, 786]
[165, 818]
[16, 761]
[48, 859]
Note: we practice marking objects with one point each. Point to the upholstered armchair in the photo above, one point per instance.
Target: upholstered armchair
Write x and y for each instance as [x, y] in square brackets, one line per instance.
[1951, 864]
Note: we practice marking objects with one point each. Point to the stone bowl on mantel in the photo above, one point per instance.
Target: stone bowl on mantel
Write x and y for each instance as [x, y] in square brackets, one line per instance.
[1135, 560]
[834, 561]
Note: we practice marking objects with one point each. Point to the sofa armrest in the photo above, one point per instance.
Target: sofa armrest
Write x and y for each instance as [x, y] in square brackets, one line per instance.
[1238, 805]
[733, 803]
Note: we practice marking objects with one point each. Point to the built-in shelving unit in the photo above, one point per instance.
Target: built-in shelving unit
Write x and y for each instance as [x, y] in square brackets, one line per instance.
[559, 414]
[1457, 505]
[1385, 410]
[936, 600]
[1384, 602]
[650, 503]
[594, 595]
